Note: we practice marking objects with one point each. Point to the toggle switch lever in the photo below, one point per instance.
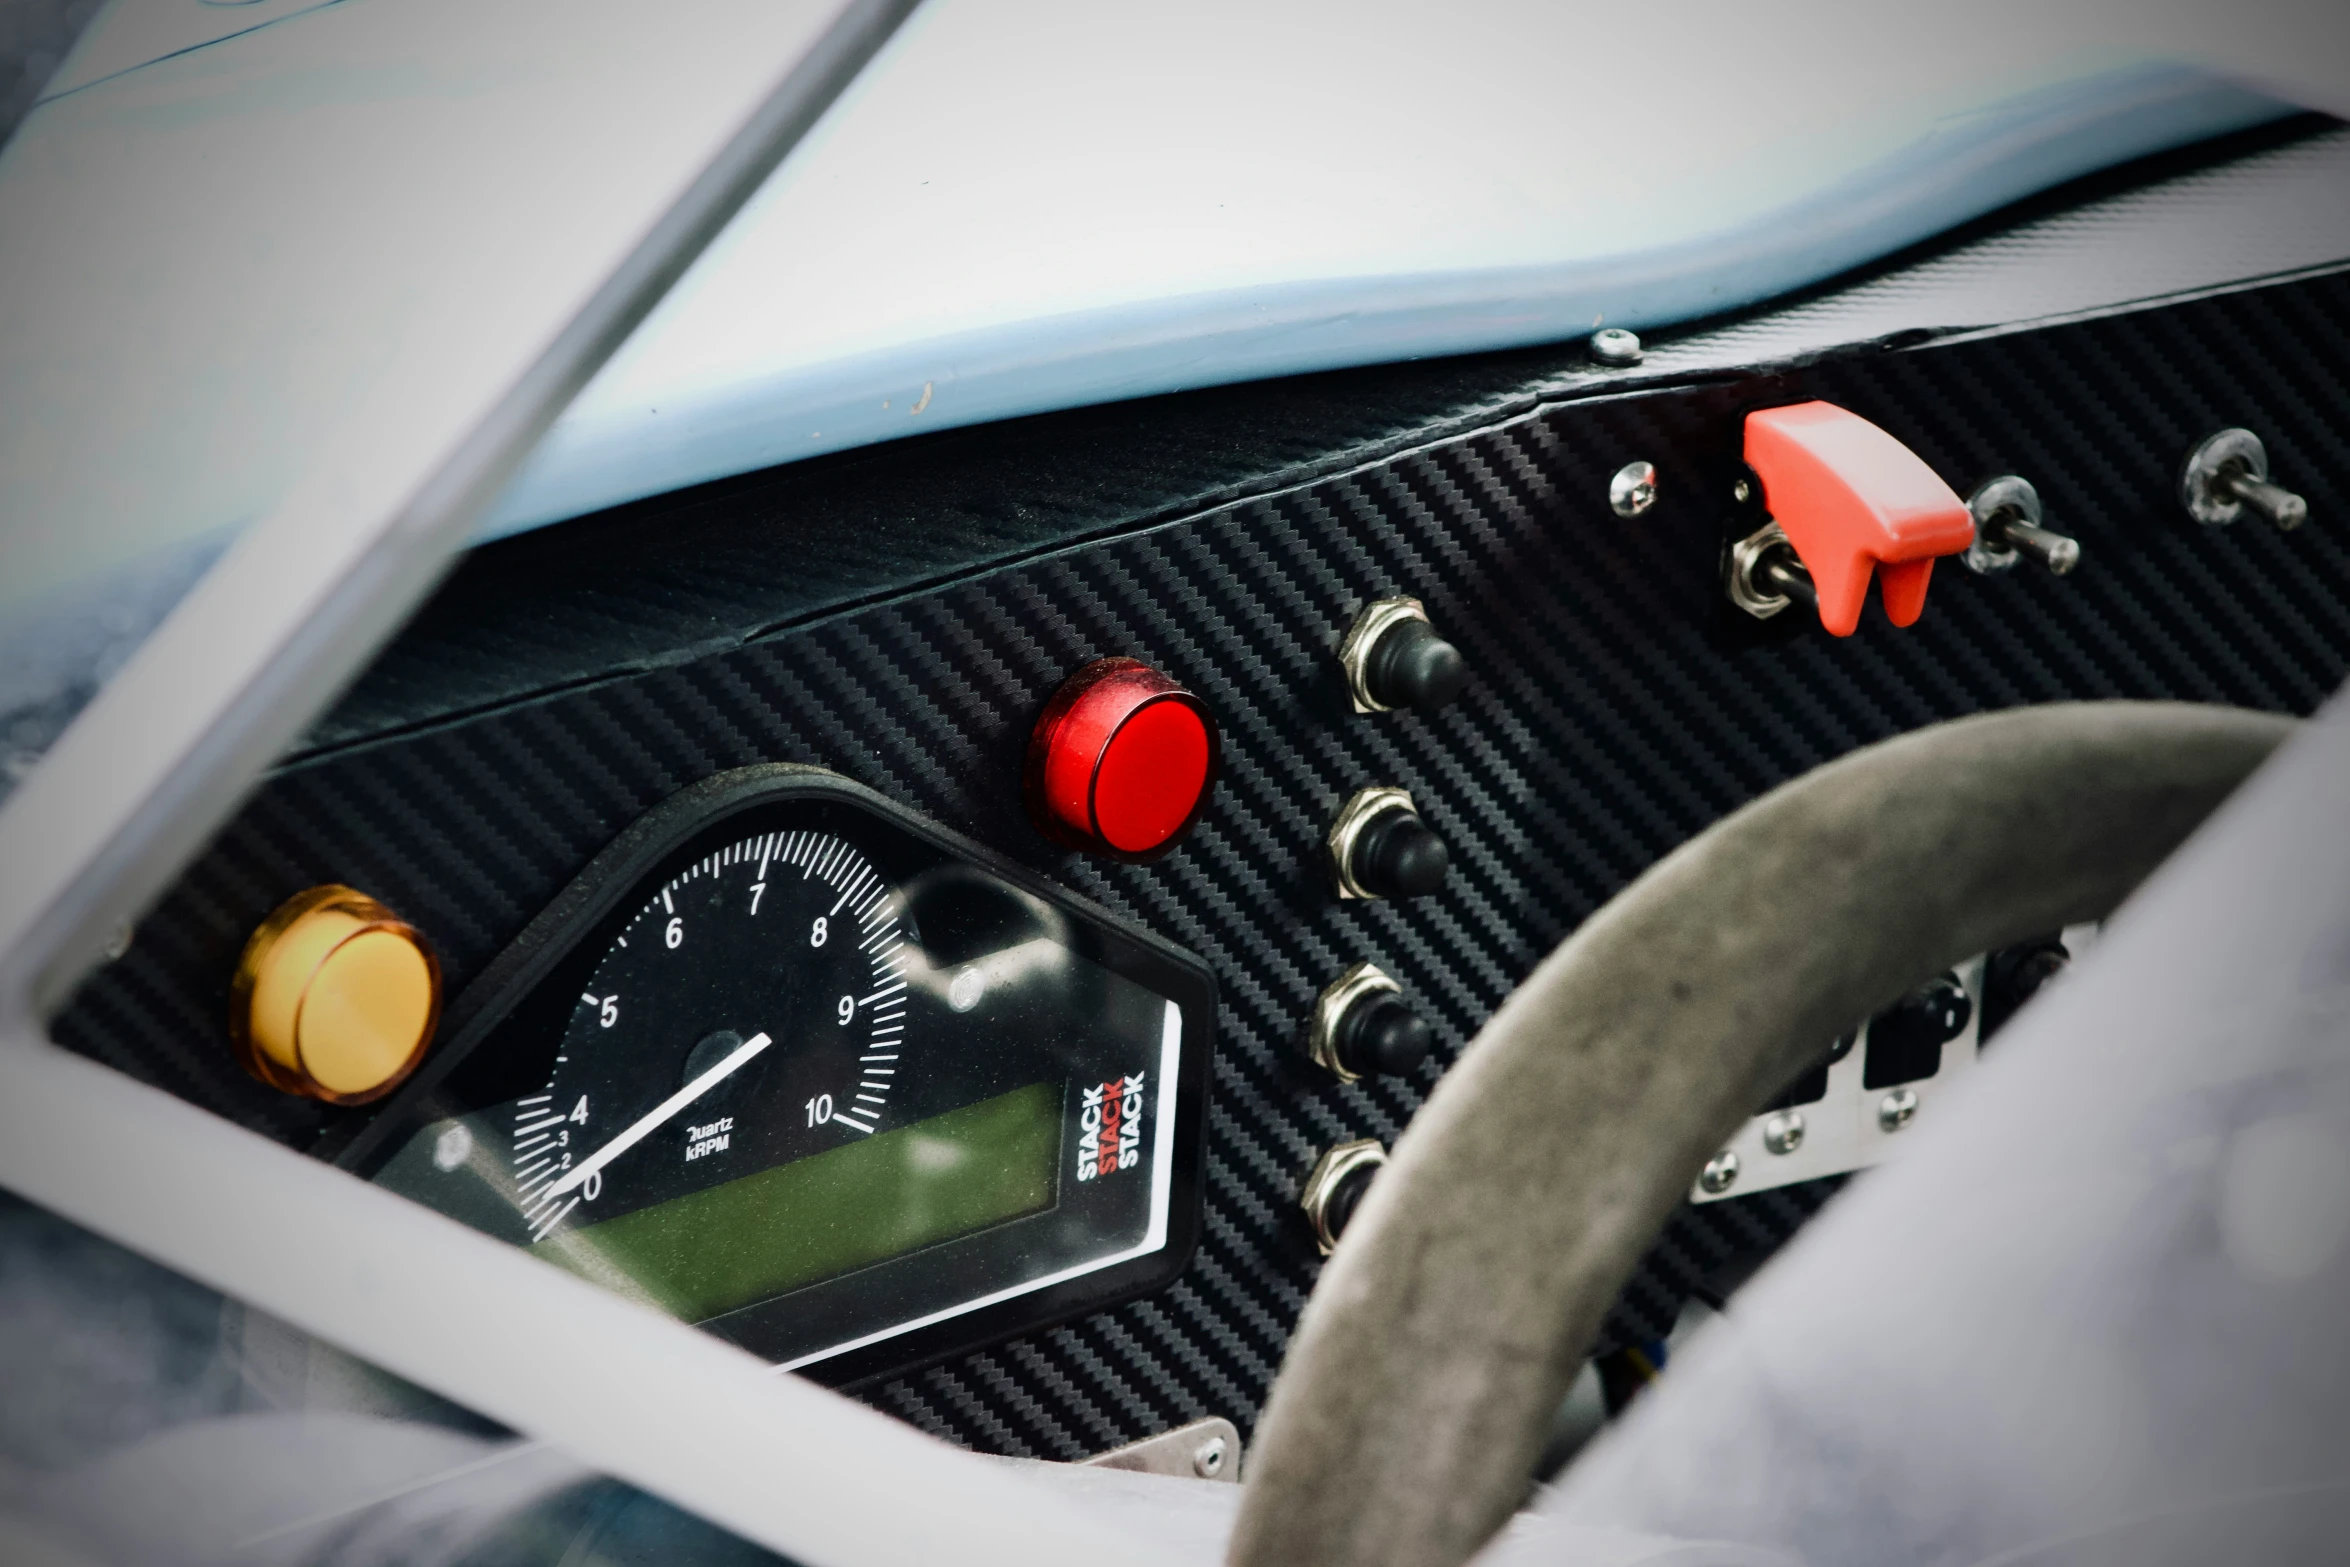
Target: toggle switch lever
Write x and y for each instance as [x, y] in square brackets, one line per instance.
[1765, 575]
[2227, 475]
[2006, 513]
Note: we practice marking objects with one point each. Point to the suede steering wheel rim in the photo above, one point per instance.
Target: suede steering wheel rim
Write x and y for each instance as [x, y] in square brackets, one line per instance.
[1471, 1281]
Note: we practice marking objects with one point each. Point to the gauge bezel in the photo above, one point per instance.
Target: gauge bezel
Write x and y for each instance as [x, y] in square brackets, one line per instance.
[526, 993]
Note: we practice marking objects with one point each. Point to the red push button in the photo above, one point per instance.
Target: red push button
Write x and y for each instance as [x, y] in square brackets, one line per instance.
[1852, 500]
[1120, 760]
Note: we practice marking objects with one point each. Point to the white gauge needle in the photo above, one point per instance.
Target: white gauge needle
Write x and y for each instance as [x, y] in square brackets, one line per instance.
[668, 1107]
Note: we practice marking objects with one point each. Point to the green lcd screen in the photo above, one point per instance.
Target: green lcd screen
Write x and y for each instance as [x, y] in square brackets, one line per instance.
[796, 1224]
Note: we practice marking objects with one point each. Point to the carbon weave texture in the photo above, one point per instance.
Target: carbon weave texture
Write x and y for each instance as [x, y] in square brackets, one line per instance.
[1616, 707]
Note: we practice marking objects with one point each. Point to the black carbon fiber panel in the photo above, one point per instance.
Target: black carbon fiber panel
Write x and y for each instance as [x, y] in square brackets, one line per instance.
[1616, 707]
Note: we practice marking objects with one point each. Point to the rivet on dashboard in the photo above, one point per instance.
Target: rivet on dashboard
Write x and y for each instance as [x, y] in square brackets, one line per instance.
[1633, 489]
[1335, 1188]
[1393, 658]
[1720, 1173]
[1616, 348]
[1379, 848]
[1783, 1133]
[334, 998]
[1362, 1025]
[1897, 1109]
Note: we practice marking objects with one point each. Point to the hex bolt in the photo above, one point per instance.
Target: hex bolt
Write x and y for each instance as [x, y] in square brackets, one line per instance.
[1720, 1173]
[1783, 1133]
[1897, 1109]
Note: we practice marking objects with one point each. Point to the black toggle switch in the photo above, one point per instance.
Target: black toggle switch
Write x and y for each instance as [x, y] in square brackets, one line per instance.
[1379, 848]
[1411, 666]
[1363, 1026]
[1335, 1188]
[1384, 1036]
[1394, 658]
[2014, 976]
[1906, 1039]
[1398, 857]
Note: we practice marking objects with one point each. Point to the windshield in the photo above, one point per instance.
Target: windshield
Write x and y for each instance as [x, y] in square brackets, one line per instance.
[222, 255]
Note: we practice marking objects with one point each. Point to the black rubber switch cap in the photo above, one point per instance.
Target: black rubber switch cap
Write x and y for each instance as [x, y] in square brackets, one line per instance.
[1906, 1039]
[1382, 1034]
[1347, 1197]
[1411, 666]
[1398, 857]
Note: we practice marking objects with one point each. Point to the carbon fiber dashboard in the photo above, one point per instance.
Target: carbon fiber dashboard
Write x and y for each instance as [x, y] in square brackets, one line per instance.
[901, 617]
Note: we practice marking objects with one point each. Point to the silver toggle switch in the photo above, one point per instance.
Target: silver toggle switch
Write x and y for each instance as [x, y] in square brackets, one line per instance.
[1764, 574]
[2227, 476]
[2006, 511]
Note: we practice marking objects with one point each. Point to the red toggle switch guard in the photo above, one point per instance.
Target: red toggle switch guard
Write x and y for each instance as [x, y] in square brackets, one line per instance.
[1853, 500]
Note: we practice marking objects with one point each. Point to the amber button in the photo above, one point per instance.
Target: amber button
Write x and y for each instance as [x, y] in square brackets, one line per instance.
[335, 998]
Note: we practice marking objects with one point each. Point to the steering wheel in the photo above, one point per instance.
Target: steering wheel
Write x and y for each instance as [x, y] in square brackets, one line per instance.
[1471, 1281]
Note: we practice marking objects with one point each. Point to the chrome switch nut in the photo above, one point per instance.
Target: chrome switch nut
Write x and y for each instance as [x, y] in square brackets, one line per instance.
[1362, 1025]
[1379, 848]
[1335, 1188]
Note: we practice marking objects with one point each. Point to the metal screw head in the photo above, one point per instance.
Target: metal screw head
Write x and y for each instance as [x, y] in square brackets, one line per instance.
[1615, 346]
[1633, 489]
[1897, 1109]
[1208, 1462]
[452, 1148]
[1783, 1133]
[1720, 1173]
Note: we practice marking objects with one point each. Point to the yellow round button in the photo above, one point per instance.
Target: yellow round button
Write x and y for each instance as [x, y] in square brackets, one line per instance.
[335, 998]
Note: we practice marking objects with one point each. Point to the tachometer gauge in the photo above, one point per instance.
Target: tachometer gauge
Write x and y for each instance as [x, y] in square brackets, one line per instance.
[771, 969]
[791, 1063]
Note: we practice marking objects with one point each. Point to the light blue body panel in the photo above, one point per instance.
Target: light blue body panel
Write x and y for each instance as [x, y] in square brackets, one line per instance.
[1003, 219]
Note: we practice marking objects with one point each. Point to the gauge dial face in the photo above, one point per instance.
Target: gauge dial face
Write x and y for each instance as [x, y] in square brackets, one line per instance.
[791, 1063]
[752, 1013]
